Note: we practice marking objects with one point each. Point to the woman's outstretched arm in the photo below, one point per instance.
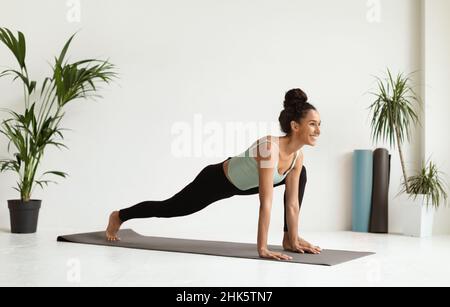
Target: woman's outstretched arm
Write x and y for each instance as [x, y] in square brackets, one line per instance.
[292, 201]
[296, 244]
[265, 170]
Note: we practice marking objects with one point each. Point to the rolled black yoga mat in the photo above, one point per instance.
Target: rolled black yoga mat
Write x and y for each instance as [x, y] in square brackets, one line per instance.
[131, 239]
[380, 191]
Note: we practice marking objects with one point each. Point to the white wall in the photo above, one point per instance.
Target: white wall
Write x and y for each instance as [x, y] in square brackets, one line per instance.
[437, 93]
[228, 62]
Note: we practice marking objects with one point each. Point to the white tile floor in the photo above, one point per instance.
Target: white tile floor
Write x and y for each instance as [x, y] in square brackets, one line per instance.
[38, 260]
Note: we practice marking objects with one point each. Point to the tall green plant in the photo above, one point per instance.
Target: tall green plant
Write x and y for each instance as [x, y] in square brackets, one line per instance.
[393, 112]
[39, 126]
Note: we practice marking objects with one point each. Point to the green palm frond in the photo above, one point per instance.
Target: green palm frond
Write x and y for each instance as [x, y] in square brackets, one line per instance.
[12, 165]
[16, 45]
[393, 109]
[428, 182]
[30, 85]
[46, 182]
[78, 80]
[57, 173]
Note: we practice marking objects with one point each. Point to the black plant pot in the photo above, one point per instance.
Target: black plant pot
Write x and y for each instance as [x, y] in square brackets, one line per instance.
[24, 215]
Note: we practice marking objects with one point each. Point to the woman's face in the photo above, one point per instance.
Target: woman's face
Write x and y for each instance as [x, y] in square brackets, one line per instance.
[308, 130]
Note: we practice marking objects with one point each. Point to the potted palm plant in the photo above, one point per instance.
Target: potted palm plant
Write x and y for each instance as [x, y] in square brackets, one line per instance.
[428, 190]
[392, 115]
[39, 125]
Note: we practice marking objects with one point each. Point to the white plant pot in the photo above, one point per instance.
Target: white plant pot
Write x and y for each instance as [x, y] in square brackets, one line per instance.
[417, 216]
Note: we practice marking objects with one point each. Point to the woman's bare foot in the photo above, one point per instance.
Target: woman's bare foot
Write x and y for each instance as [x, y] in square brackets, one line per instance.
[287, 244]
[113, 227]
[306, 243]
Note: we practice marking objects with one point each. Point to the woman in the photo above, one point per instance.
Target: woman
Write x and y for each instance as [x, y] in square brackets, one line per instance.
[269, 162]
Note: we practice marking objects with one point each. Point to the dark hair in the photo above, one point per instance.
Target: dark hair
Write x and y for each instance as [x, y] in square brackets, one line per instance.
[296, 107]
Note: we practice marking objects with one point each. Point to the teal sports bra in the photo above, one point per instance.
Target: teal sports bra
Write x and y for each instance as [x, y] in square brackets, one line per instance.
[243, 169]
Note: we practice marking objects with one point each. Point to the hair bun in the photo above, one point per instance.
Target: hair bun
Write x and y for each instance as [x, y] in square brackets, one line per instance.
[294, 97]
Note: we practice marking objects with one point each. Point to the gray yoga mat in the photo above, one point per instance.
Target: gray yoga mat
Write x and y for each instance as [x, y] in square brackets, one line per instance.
[131, 239]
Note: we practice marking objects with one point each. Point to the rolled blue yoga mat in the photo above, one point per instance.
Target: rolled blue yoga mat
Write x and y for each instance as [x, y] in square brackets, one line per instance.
[362, 189]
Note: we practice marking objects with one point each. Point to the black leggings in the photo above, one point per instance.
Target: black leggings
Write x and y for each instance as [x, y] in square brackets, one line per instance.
[209, 186]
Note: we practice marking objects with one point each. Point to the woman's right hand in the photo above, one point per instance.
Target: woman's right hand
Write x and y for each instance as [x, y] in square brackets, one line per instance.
[267, 254]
